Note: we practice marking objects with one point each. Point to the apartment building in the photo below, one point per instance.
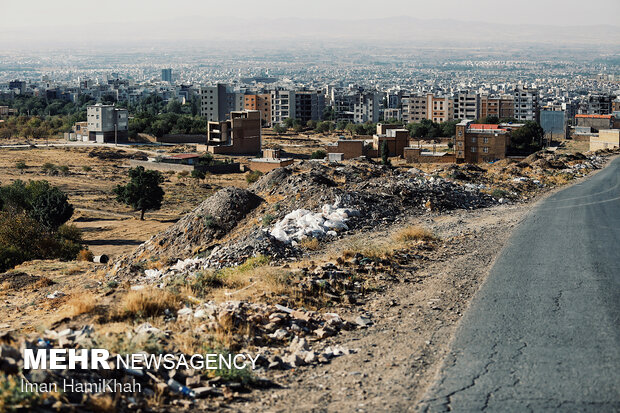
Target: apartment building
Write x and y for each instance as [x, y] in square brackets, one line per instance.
[213, 102]
[413, 108]
[526, 104]
[282, 105]
[477, 143]
[391, 113]
[262, 103]
[366, 107]
[309, 105]
[439, 108]
[238, 135]
[599, 104]
[596, 122]
[107, 123]
[466, 105]
[501, 106]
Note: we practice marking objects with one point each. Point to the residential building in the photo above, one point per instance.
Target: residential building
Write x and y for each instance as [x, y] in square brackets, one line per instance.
[107, 123]
[394, 136]
[166, 75]
[477, 143]
[390, 113]
[595, 122]
[282, 105]
[271, 160]
[238, 135]
[439, 108]
[309, 105]
[466, 105]
[348, 148]
[526, 104]
[599, 104]
[262, 103]
[213, 102]
[414, 108]
[366, 107]
[500, 106]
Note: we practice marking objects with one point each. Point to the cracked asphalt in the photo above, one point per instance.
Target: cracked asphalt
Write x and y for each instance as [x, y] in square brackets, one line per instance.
[543, 332]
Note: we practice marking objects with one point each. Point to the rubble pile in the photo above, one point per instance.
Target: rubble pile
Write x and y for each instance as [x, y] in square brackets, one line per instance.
[302, 223]
[312, 199]
[281, 338]
[211, 220]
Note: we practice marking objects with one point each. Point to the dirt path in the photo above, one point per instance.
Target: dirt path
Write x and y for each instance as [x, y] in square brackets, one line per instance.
[414, 320]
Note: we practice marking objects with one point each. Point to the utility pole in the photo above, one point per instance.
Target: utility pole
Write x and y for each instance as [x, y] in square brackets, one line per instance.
[115, 134]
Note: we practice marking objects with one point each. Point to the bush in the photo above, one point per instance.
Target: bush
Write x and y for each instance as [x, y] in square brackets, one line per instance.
[267, 219]
[198, 174]
[414, 233]
[87, 168]
[49, 168]
[21, 165]
[253, 176]
[64, 170]
[148, 302]
[318, 154]
[85, 255]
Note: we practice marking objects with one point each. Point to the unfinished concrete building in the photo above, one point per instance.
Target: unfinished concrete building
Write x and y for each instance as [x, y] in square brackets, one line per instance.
[239, 135]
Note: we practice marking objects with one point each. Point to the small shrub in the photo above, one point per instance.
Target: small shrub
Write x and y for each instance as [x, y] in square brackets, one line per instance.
[267, 219]
[310, 244]
[85, 255]
[64, 170]
[253, 176]
[148, 302]
[183, 174]
[49, 168]
[205, 281]
[499, 193]
[112, 284]
[86, 168]
[82, 303]
[198, 174]
[318, 154]
[210, 221]
[12, 398]
[414, 233]
[21, 165]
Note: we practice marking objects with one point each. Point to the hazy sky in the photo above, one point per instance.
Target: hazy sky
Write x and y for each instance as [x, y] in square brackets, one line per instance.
[35, 14]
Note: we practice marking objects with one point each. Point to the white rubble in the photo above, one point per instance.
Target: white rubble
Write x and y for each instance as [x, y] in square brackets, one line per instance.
[303, 223]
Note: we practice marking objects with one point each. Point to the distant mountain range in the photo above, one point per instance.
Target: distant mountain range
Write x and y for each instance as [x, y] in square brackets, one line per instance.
[398, 31]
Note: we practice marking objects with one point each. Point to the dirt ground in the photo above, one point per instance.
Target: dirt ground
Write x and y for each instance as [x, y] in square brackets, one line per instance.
[109, 227]
[396, 358]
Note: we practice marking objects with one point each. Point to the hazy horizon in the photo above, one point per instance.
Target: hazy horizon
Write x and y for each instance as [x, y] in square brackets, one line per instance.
[158, 22]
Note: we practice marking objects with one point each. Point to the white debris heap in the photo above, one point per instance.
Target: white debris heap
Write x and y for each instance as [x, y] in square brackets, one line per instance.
[303, 223]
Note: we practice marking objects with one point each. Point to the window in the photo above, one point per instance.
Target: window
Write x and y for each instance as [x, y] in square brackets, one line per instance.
[473, 139]
[486, 140]
[485, 149]
[474, 149]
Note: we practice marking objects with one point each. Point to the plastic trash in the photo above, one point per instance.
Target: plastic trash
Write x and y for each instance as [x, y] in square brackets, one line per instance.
[181, 389]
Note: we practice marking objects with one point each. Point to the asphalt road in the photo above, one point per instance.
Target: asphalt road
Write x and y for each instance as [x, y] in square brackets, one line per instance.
[543, 332]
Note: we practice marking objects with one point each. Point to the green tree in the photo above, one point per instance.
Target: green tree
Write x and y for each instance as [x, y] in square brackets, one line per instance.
[528, 137]
[288, 122]
[318, 154]
[385, 153]
[279, 129]
[51, 208]
[143, 192]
